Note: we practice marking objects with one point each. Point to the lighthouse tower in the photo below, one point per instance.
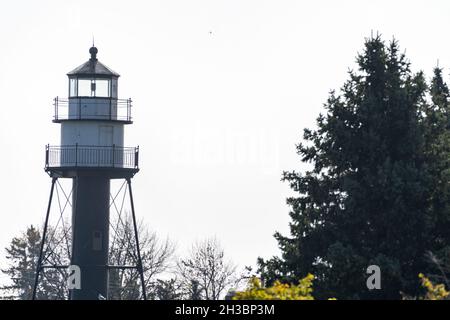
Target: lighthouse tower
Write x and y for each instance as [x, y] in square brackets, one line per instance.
[91, 153]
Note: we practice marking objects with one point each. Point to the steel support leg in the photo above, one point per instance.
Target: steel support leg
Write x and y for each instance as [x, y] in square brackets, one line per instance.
[44, 235]
[139, 265]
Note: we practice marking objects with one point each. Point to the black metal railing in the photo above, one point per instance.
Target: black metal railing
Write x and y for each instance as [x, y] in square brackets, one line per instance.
[91, 156]
[86, 108]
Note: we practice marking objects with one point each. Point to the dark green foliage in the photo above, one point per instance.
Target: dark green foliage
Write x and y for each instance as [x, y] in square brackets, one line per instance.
[437, 136]
[368, 198]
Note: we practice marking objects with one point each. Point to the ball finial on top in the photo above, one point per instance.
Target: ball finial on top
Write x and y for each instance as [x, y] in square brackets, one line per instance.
[93, 51]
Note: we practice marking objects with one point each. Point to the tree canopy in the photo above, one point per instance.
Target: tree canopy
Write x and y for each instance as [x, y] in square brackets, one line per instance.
[378, 190]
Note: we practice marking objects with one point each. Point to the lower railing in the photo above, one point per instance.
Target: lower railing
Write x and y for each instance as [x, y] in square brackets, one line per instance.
[91, 156]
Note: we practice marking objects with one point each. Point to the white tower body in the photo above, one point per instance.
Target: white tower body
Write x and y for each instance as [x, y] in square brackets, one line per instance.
[92, 133]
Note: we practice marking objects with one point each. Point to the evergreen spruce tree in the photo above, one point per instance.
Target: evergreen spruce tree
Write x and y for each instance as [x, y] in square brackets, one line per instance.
[437, 153]
[365, 200]
[22, 255]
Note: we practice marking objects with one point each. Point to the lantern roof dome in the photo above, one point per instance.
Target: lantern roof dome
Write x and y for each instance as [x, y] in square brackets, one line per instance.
[93, 67]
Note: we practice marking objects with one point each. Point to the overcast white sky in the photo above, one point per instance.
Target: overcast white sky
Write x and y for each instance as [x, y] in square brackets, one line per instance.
[222, 91]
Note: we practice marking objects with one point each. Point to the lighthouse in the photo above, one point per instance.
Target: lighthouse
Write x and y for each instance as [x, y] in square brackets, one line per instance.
[91, 153]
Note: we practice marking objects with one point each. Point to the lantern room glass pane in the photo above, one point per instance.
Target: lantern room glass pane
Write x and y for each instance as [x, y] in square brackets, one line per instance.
[73, 88]
[84, 88]
[114, 88]
[102, 88]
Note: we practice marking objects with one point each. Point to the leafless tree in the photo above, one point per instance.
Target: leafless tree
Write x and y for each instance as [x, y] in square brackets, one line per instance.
[205, 273]
[156, 255]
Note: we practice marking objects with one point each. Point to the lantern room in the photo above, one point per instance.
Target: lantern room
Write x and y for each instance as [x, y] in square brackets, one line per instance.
[93, 94]
[93, 79]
